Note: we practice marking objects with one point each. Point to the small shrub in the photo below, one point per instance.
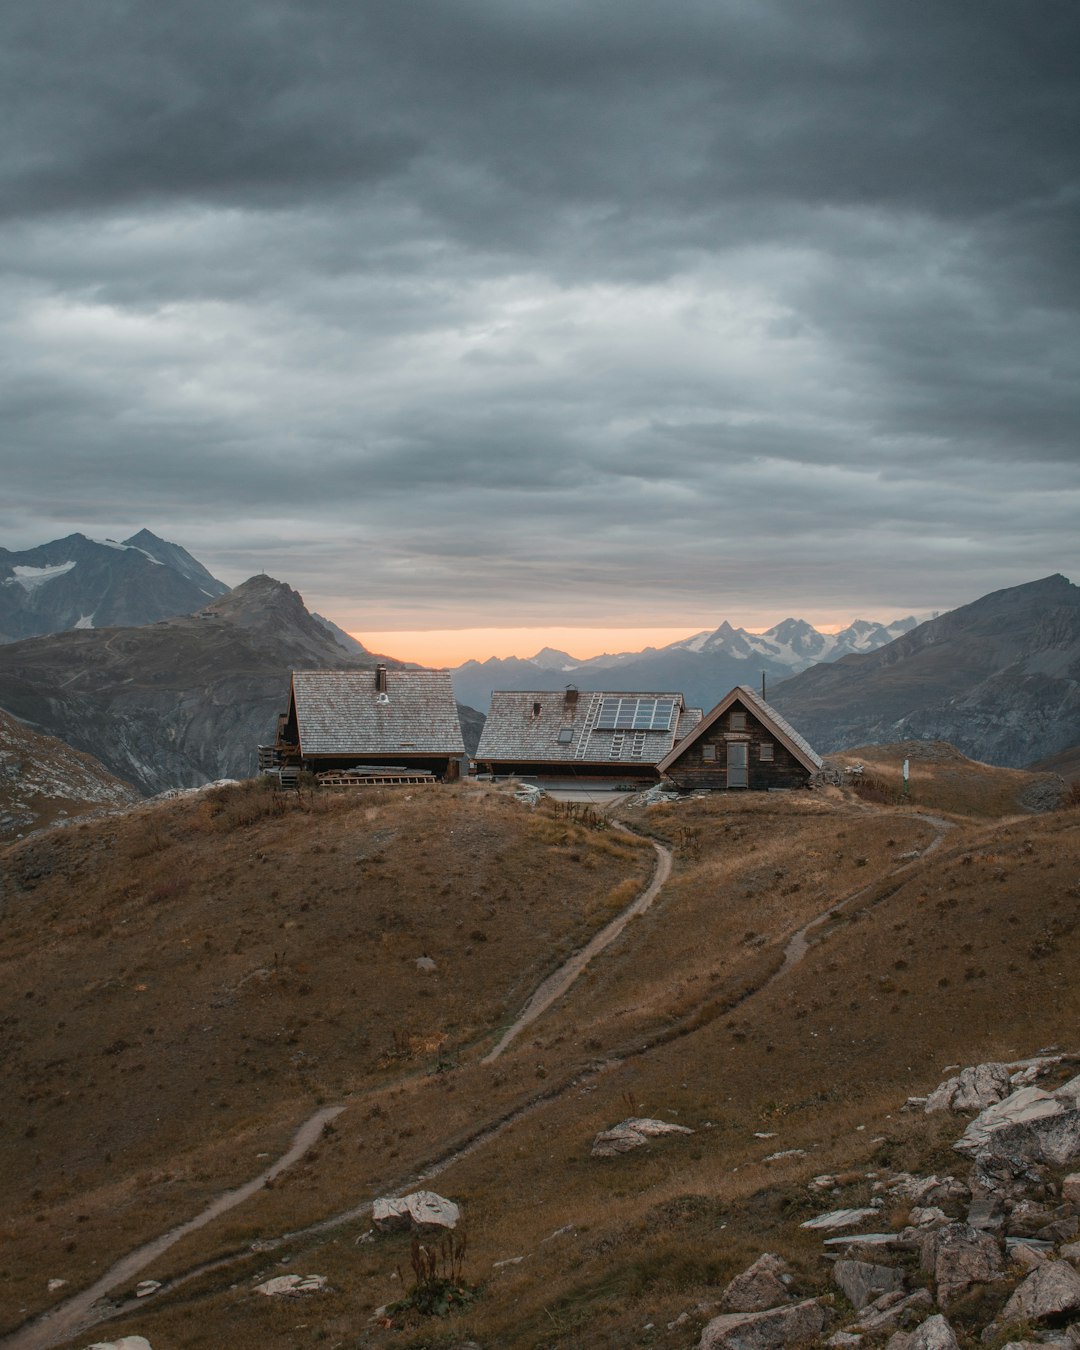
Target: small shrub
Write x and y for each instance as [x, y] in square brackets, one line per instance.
[440, 1286]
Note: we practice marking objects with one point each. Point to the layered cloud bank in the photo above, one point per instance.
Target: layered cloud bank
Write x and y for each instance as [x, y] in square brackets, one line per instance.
[548, 313]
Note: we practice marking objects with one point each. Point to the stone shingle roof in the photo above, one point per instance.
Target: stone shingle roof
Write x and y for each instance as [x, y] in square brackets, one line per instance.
[338, 712]
[767, 711]
[517, 733]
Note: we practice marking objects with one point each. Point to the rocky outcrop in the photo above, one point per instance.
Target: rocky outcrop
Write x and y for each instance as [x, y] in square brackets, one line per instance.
[769, 1330]
[763, 1285]
[972, 1090]
[957, 1257]
[1050, 1294]
[1042, 1127]
[862, 1282]
[934, 1334]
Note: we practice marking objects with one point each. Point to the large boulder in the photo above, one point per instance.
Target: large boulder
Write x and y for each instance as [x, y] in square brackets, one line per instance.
[632, 1133]
[421, 1209]
[762, 1285]
[934, 1334]
[972, 1089]
[1051, 1293]
[862, 1282]
[773, 1329]
[959, 1257]
[1042, 1127]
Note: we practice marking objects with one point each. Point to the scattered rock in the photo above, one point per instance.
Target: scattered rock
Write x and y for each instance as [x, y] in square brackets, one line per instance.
[147, 1287]
[1050, 1292]
[54, 1285]
[894, 1310]
[632, 1133]
[840, 1218]
[763, 1285]
[1071, 1252]
[769, 1330]
[934, 1334]
[959, 1257]
[420, 1209]
[124, 1343]
[426, 964]
[863, 1282]
[289, 1286]
[973, 1089]
[1027, 1257]
[1070, 1188]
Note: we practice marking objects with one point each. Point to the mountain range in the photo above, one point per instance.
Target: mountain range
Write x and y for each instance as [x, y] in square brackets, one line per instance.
[999, 679]
[179, 701]
[78, 582]
[704, 667]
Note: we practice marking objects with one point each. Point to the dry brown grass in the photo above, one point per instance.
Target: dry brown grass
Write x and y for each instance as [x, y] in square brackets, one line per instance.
[941, 779]
[963, 956]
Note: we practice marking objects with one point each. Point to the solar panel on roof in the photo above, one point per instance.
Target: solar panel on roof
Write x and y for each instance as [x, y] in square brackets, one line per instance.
[635, 714]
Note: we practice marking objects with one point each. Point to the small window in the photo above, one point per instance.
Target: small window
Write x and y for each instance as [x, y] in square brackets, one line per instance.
[766, 751]
[537, 709]
[708, 754]
[566, 735]
[737, 720]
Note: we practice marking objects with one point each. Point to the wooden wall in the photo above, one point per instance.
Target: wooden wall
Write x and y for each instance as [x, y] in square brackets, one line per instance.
[692, 770]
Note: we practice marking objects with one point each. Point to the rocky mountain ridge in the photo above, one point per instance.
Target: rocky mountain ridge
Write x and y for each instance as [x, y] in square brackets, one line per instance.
[704, 667]
[181, 701]
[78, 582]
[999, 679]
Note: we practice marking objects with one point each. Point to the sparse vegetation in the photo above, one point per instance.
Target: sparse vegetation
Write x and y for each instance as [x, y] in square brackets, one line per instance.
[271, 964]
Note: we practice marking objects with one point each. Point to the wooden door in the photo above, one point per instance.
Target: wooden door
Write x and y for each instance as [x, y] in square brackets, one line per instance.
[737, 759]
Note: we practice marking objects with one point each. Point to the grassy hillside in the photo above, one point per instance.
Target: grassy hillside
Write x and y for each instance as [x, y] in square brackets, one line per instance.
[215, 969]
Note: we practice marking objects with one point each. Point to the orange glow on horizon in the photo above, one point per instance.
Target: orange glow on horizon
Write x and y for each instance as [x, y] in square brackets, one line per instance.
[452, 646]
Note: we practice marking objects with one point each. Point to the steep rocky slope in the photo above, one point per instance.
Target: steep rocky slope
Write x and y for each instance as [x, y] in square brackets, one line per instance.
[180, 702]
[78, 582]
[42, 780]
[999, 678]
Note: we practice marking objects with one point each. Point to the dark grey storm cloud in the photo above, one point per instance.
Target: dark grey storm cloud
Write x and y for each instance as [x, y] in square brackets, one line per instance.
[547, 311]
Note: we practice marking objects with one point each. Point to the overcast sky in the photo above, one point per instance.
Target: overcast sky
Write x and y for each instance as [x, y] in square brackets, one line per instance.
[525, 312]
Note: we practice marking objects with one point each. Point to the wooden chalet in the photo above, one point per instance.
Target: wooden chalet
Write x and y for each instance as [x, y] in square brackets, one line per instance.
[394, 720]
[578, 734]
[742, 743]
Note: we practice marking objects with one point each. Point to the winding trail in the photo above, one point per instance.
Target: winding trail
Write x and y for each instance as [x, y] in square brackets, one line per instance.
[560, 980]
[799, 942]
[78, 1314]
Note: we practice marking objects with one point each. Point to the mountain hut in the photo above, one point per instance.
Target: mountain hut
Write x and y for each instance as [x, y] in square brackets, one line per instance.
[741, 743]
